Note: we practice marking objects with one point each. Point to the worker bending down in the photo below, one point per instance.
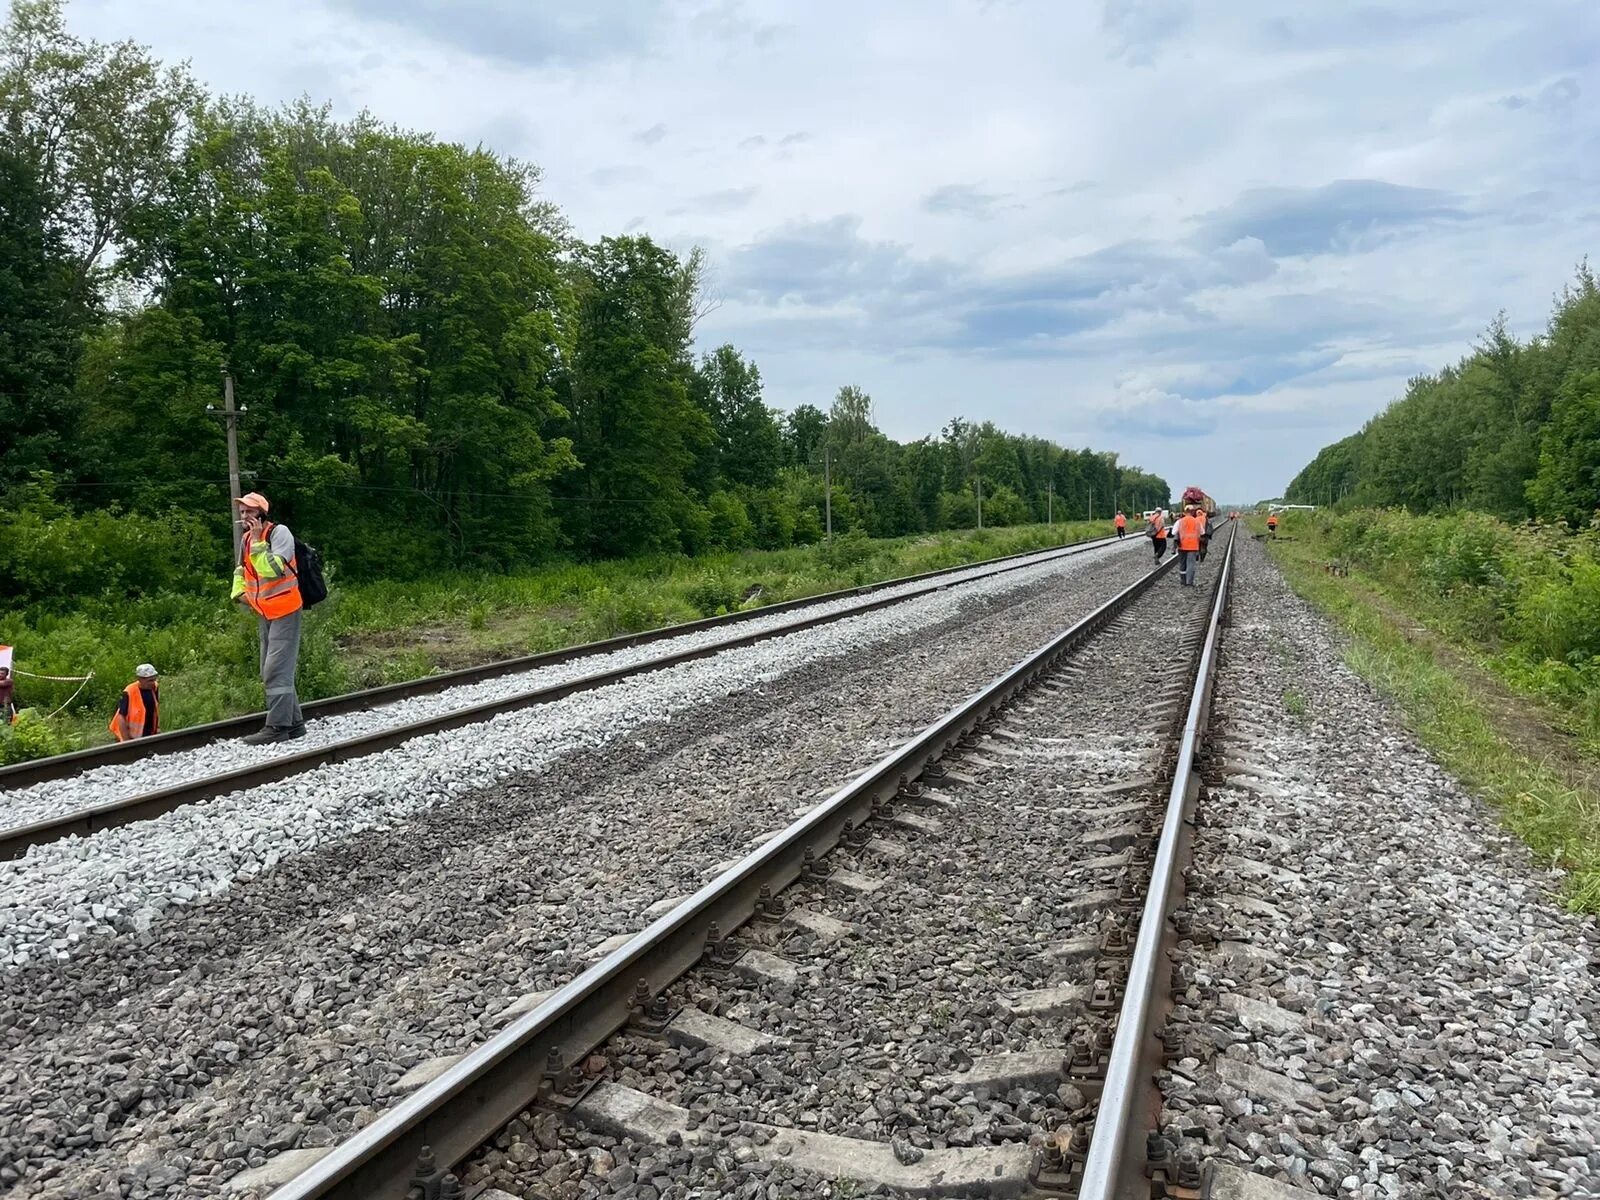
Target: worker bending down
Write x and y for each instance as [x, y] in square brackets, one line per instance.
[139, 707]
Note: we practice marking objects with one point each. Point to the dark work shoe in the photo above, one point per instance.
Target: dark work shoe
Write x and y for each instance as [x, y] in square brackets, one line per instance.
[264, 737]
[297, 731]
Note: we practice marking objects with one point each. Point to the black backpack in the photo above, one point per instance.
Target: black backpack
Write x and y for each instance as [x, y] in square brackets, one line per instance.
[308, 566]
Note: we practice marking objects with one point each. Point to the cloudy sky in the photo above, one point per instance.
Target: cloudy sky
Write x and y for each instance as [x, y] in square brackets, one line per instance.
[1211, 237]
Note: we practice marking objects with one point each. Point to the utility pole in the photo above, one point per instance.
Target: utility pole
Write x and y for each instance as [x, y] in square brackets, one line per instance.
[980, 503]
[1050, 503]
[827, 491]
[1091, 503]
[230, 419]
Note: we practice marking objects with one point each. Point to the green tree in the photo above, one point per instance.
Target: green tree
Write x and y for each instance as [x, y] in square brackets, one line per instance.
[749, 443]
[636, 429]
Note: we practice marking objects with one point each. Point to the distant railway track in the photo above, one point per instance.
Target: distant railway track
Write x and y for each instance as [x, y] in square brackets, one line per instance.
[286, 761]
[630, 993]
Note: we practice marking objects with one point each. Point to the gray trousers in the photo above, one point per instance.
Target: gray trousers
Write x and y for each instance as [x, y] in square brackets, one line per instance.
[1188, 564]
[280, 652]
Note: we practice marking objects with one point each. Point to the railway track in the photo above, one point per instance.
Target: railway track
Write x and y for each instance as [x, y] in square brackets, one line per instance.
[459, 699]
[932, 1004]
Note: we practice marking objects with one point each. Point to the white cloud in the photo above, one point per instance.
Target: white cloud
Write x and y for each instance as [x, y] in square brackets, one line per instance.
[1109, 224]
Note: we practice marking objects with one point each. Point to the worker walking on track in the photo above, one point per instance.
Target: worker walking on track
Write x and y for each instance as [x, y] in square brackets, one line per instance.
[1205, 532]
[138, 712]
[1187, 531]
[267, 580]
[1122, 524]
[1272, 525]
[1158, 534]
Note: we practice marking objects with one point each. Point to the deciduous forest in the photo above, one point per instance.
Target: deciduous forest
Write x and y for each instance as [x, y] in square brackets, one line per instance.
[1512, 430]
[437, 372]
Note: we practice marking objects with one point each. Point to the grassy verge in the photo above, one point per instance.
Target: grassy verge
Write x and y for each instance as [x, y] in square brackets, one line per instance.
[1506, 746]
[374, 633]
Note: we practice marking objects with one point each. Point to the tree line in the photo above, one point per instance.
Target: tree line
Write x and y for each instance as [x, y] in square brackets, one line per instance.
[1513, 429]
[435, 371]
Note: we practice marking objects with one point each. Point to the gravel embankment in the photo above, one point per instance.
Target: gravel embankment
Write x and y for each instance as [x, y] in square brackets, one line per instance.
[1435, 1019]
[876, 1039]
[124, 879]
[103, 785]
[282, 1011]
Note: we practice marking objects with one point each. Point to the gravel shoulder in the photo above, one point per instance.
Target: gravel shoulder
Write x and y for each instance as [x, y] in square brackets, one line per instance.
[1425, 1013]
[282, 1011]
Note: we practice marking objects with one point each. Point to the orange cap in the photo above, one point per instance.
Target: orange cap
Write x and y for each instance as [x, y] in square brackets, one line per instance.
[255, 500]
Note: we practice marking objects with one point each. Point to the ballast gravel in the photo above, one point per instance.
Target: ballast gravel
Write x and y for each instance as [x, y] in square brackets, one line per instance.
[282, 1012]
[1435, 1012]
[877, 1035]
[125, 878]
[103, 785]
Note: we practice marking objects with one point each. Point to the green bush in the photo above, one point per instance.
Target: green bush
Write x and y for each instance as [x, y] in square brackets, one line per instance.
[32, 737]
[1529, 596]
[712, 592]
[53, 559]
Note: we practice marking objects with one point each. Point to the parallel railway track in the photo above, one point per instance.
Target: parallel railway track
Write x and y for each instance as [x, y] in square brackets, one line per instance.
[142, 805]
[1101, 1152]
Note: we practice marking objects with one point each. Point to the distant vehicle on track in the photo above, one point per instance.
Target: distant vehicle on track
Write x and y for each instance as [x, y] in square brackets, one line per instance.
[1194, 495]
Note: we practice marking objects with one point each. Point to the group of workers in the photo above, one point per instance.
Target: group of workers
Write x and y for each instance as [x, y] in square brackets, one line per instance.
[1190, 533]
[266, 581]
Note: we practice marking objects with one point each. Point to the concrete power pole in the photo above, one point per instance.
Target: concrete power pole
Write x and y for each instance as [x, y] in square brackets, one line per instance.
[827, 491]
[980, 504]
[1050, 503]
[230, 420]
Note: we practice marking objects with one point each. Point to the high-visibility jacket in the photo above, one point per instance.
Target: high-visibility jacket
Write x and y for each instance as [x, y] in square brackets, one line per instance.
[1158, 527]
[140, 721]
[1272, 521]
[1201, 517]
[271, 583]
[1122, 521]
[1188, 531]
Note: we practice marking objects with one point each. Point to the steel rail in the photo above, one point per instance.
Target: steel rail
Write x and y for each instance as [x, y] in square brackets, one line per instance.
[491, 1084]
[1114, 1166]
[60, 766]
[16, 840]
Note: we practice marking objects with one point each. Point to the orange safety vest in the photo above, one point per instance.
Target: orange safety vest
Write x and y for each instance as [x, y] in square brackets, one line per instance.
[1122, 521]
[134, 725]
[272, 598]
[1272, 521]
[1188, 529]
[1158, 526]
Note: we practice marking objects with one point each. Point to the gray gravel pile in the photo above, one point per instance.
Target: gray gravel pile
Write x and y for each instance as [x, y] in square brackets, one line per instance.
[125, 879]
[967, 921]
[283, 1011]
[1436, 1011]
[103, 785]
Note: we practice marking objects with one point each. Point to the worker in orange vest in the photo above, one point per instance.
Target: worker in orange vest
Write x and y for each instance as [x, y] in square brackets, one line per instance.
[1205, 531]
[1121, 524]
[1272, 524]
[139, 708]
[1187, 529]
[1158, 534]
[267, 580]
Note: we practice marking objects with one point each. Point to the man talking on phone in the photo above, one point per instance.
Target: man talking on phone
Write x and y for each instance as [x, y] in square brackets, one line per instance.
[268, 581]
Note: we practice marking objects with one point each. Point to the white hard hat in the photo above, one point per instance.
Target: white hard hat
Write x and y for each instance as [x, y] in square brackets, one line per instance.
[145, 671]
